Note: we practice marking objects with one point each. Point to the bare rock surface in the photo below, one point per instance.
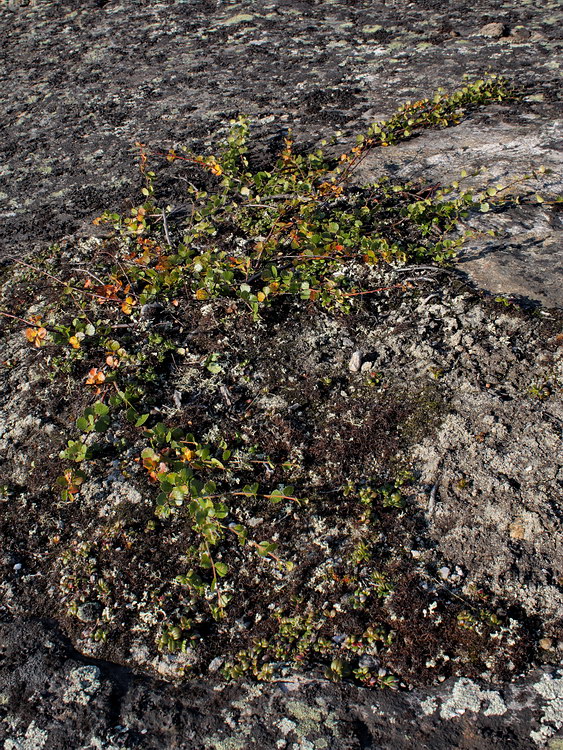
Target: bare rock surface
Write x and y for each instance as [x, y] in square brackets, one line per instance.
[524, 258]
[54, 697]
[81, 82]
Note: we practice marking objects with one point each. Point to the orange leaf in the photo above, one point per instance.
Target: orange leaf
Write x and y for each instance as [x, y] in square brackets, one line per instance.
[112, 361]
[95, 377]
[36, 335]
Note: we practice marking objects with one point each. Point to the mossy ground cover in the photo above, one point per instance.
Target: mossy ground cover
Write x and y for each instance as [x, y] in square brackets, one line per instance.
[212, 485]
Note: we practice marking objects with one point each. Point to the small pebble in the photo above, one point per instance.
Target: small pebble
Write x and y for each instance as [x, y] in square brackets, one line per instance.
[225, 395]
[493, 30]
[520, 34]
[18, 566]
[368, 662]
[355, 361]
[150, 310]
[216, 664]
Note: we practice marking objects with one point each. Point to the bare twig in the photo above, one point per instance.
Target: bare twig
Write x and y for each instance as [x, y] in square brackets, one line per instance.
[28, 322]
[96, 278]
[418, 278]
[430, 296]
[165, 226]
[409, 269]
[432, 499]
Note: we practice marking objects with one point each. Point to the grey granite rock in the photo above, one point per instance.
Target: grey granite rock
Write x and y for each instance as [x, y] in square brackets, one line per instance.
[81, 82]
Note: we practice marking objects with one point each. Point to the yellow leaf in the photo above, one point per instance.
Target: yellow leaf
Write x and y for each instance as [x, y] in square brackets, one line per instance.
[127, 305]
